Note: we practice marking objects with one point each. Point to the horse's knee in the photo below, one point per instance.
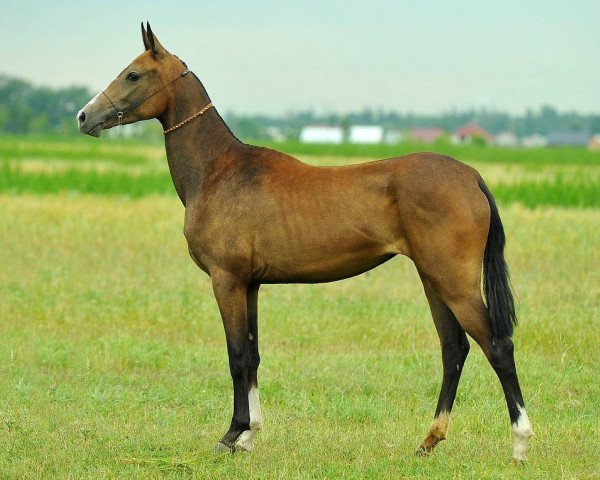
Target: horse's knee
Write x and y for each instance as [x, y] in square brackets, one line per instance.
[502, 355]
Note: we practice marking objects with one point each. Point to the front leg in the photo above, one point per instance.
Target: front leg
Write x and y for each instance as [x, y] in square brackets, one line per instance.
[230, 293]
[253, 397]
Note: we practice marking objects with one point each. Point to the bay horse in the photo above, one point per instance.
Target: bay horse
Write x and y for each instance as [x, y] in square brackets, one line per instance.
[258, 216]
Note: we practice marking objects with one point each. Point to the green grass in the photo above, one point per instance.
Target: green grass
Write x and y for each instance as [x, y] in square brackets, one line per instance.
[560, 191]
[133, 151]
[72, 149]
[113, 362]
[72, 180]
[465, 153]
[51, 165]
[581, 192]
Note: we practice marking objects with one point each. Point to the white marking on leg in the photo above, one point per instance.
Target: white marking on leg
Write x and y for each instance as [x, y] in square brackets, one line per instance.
[522, 430]
[439, 427]
[255, 413]
[244, 441]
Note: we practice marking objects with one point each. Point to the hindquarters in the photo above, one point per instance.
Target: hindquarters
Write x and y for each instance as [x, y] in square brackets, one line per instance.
[445, 217]
[454, 233]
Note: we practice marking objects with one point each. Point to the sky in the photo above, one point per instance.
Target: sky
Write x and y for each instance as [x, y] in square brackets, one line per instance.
[273, 57]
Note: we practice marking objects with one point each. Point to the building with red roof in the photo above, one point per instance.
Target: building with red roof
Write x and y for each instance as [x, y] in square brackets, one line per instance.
[468, 132]
[426, 135]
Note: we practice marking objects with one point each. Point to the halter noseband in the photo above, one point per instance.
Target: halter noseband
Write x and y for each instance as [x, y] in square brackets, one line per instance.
[120, 113]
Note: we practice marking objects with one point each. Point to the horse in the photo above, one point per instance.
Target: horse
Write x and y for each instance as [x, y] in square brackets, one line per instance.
[256, 216]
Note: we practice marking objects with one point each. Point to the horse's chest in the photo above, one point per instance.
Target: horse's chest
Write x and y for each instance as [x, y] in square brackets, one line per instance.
[210, 243]
[198, 245]
[199, 261]
[197, 237]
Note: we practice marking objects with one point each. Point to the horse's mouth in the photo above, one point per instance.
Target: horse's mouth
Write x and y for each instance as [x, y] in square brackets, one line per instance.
[94, 131]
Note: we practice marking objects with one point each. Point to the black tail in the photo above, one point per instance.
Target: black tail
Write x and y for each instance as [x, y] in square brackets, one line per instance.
[496, 284]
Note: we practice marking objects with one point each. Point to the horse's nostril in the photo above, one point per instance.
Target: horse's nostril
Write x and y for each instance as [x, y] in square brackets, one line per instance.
[81, 117]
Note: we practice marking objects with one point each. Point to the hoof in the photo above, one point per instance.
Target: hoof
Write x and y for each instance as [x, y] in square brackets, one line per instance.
[428, 445]
[520, 460]
[221, 448]
[244, 442]
[256, 425]
[423, 451]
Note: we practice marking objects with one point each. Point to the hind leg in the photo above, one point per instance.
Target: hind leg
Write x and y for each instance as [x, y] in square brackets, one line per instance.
[471, 313]
[455, 348]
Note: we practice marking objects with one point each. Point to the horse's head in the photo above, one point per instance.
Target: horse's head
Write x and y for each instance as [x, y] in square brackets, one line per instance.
[140, 92]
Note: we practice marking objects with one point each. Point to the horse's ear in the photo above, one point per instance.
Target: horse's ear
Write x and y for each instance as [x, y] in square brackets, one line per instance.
[145, 38]
[155, 46]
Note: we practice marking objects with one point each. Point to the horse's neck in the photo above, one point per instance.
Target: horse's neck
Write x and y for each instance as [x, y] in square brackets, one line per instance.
[195, 148]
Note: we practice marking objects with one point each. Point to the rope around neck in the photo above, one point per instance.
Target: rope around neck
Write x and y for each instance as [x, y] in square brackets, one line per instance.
[189, 119]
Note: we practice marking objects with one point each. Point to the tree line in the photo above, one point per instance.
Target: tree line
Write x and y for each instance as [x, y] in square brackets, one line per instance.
[544, 120]
[25, 108]
[29, 109]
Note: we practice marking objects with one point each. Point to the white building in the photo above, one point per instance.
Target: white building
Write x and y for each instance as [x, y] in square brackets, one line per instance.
[534, 141]
[275, 134]
[506, 139]
[322, 134]
[393, 137]
[594, 143]
[366, 134]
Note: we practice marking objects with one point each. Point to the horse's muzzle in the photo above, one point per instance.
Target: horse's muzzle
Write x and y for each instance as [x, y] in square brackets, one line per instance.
[92, 118]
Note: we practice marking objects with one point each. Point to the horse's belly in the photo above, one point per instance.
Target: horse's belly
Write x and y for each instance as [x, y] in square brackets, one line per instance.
[315, 267]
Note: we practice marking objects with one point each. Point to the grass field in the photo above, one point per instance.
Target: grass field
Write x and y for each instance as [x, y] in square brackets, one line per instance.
[113, 361]
[567, 177]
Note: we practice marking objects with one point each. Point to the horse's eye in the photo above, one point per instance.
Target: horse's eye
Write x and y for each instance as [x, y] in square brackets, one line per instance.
[133, 76]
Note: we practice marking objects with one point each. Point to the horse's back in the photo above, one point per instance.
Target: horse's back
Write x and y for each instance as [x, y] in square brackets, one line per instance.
[298, 222]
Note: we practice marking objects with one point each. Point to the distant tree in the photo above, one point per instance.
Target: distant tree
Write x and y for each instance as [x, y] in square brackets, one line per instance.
[247, 127]
[3, 117]
[479, 141]
[25, 108]
[29, 109]
[594, 124]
